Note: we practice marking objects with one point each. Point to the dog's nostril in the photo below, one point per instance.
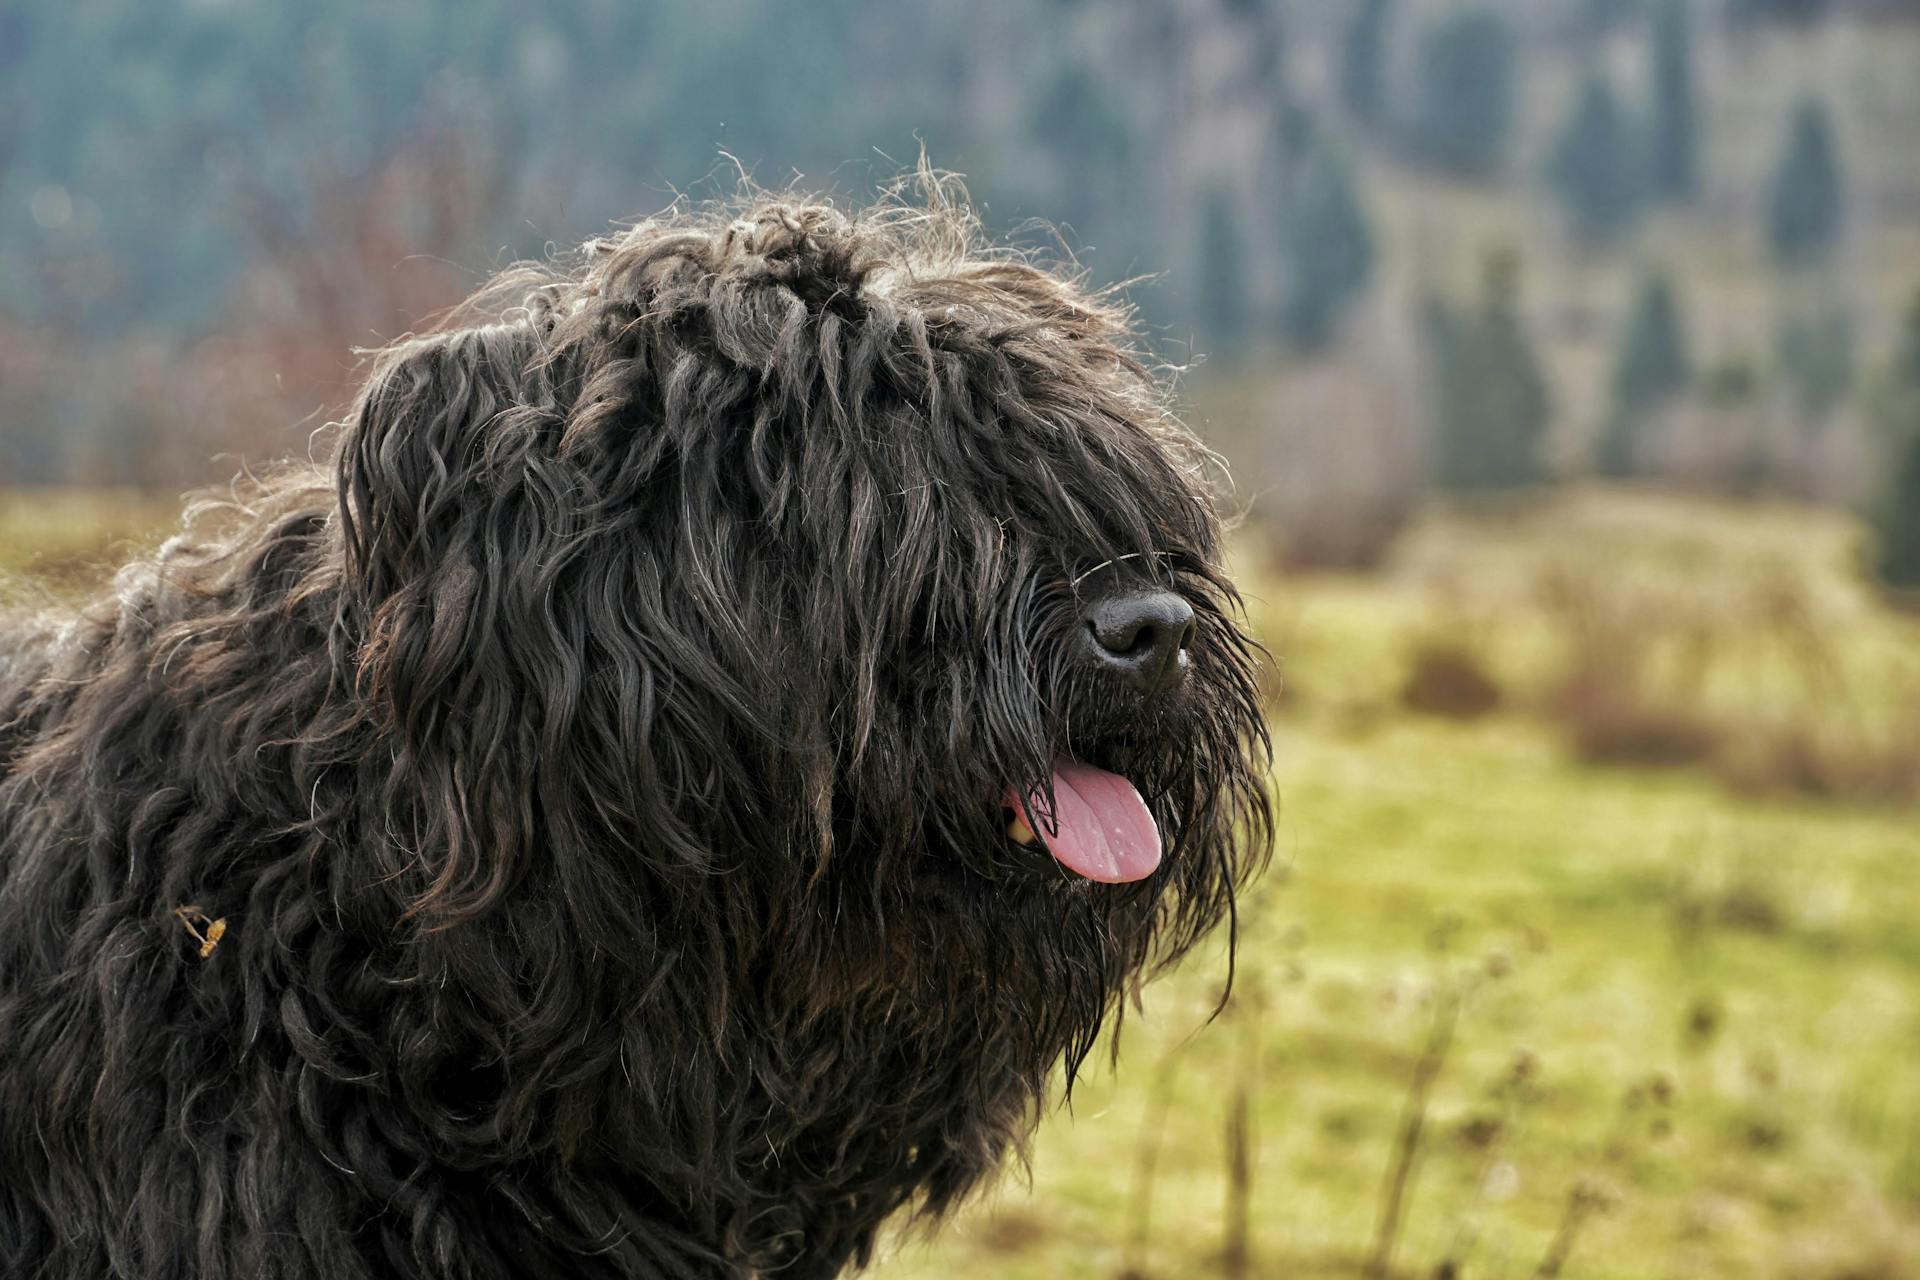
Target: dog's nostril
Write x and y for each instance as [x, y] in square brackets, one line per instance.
[1131, 641]
[1143, 636]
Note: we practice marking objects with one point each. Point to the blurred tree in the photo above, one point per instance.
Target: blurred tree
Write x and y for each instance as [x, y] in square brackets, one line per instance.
[1491, 399]
[1652, 367]
[1906, 354]
[1222, 309]
[1468, 75]
[1806, 203]
[1894, 407]
[1595, 167]
[1086, 138]
[1897, 521]
[1674, 145]
[1589, 20]
[1789, 13]
[1363, 61]
[1815, 354]
[1327, 244]
[1266, 34]
[1898, 526]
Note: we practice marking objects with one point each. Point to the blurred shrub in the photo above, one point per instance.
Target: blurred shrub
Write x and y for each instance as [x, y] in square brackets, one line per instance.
[1644, 629]
[1637, 675]
[1324, 451]
[1339, 532]
[1805, 758]
[1625, 727]
[1604, 697]
[1446, 678]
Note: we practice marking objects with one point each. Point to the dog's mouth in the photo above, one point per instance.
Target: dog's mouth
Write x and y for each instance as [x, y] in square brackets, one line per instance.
[1102, 829]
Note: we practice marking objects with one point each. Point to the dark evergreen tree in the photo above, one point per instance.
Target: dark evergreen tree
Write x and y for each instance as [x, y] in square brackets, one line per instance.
[1222, 308]
[1327, 244]
[1088, 141]
[1491, 399]
[1363, 61]
[1468, 75]
[1815, 353]
[1785, 13]
[1907, 352]
[1894, 411]
[1673, 151]
[1651, 368]
[1806, 205]
[1898, 526]
[1595, 167]
[1897, 522]
[1589, 20]
[1266, 31]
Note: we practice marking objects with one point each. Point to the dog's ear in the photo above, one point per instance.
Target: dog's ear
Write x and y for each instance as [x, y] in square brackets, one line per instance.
[435, 470]
[542, 697]
[435, 416]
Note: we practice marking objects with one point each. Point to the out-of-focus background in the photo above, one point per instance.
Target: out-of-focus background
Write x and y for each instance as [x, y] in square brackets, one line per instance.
[1567, 353]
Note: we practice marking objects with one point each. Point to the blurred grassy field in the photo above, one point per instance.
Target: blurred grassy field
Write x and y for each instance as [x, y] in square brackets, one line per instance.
[1762, 960]
[1688, 1002]
[62, 540]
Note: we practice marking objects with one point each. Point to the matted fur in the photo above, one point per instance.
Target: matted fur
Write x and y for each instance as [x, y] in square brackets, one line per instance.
[597, 770]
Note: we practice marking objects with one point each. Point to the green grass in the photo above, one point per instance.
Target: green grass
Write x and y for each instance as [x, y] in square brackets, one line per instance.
[1622, 902]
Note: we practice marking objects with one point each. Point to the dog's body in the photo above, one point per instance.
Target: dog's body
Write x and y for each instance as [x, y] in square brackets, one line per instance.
[569, 836]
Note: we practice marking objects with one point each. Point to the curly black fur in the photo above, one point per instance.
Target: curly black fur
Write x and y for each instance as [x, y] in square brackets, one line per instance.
[597, 771]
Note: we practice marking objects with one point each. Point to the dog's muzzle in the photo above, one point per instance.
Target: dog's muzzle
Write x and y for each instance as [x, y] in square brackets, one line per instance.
[1142, 637]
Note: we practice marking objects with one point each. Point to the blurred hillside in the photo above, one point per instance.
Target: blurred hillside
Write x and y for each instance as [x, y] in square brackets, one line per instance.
[203, 212]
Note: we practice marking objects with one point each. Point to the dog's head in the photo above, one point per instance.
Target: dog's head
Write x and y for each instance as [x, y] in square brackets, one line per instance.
[831, 580]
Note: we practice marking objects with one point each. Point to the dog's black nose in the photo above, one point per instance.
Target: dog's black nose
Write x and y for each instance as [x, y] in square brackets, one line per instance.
[1143, 636]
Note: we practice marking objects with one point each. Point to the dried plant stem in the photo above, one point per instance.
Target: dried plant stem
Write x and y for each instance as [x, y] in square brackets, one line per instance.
[1146, 1164]
[1235, 1256]
[1582, 1202]
[1394, 1192]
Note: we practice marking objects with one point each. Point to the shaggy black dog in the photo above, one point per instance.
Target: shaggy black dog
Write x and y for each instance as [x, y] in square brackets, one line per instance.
[739, 712]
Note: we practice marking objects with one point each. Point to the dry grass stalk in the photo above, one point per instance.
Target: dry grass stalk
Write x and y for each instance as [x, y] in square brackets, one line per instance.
[1586, 1199]
[1394, 1192]
[1146, 1165]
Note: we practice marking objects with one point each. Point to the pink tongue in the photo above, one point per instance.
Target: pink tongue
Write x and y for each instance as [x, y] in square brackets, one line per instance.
[1103, 829]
